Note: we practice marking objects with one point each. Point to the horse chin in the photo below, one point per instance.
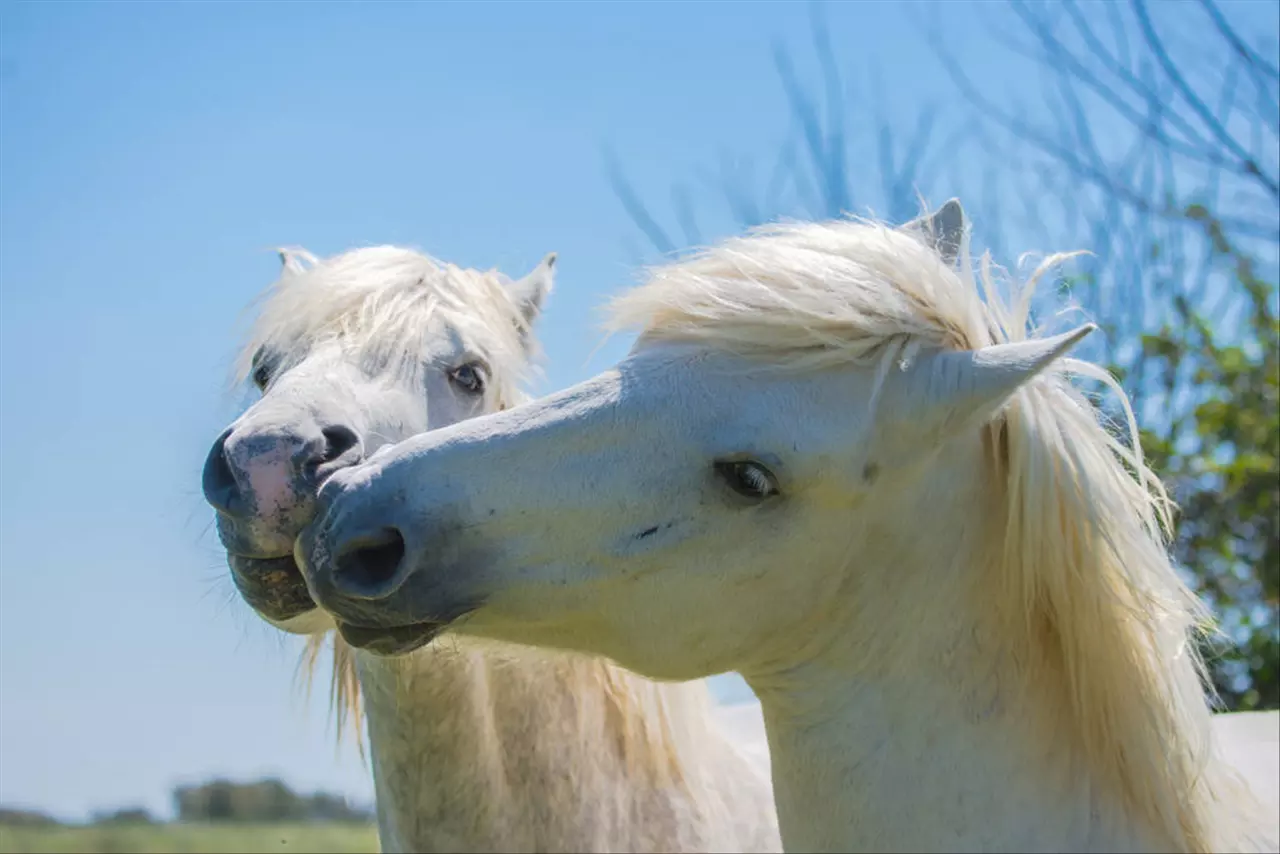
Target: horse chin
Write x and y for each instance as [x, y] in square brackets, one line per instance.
[275, 588]
[313, 622]
[390, 642]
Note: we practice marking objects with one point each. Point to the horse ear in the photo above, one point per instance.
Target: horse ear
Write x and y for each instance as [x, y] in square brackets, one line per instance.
[294, 261]
[948, 392]
[531, 292]
[943, 229]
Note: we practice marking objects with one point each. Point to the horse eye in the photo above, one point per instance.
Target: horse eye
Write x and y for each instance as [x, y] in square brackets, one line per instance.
[261, 369]
[469, 377]
[748, 479]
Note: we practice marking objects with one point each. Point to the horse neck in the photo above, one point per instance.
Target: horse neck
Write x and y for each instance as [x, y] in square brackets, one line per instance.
[480, 746]
[936, 737]
[878, 763]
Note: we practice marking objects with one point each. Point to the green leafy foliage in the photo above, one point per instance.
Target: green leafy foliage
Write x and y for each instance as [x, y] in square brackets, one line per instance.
[1216, 444]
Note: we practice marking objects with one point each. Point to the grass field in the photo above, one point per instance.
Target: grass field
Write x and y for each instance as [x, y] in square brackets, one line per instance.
[213, 839]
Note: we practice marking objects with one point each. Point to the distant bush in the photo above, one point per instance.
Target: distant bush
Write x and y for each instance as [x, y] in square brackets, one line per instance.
[267, 801]
[261, 801]
[126, 815]
[15, 817]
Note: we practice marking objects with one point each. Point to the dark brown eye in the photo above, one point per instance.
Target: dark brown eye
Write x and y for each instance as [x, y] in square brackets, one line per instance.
[748, 479]
[470, 378]
[261, 371]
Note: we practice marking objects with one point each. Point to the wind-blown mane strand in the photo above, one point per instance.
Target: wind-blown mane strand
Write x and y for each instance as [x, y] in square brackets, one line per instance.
[1080, 562]
[345, 708]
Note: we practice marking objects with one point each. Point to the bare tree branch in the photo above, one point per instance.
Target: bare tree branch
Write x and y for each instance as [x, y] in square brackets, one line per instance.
[1247, 164]
[635, 208]
[1237, 44]
[1064, 67]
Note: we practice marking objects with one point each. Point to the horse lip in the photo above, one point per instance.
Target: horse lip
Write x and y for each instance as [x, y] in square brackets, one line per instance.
[258, 557]
[279, 562]
[274, 587]
[390, 640]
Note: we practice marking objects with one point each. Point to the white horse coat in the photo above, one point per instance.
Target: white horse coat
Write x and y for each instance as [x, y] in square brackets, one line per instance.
[836, 465]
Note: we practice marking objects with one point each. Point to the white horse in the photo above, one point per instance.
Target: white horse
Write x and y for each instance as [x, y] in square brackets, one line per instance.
[831, 465]
[476, 746]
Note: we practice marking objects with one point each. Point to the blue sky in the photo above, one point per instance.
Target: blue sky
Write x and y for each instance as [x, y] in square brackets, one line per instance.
[152, 154]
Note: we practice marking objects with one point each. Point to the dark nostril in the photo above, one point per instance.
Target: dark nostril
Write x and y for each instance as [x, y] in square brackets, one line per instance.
[220, 487]
[369, 568]
[337, 446]
[338, 440]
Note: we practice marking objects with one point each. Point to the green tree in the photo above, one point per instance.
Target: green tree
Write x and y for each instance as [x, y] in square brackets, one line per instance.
[1220, 454]
[1163, 147]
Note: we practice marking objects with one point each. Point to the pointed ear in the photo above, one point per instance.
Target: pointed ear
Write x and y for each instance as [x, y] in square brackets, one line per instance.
[531, 292]
[946, 393]
[294, 260]
[943, 229]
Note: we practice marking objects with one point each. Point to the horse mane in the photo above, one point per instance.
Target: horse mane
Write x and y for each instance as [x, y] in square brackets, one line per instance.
[646, 719]
[1085, 582]
[377, 302]
[644, 716]
[345, 707]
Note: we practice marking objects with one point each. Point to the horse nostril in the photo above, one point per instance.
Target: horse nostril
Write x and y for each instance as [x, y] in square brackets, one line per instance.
[335, 447]
[338, 440]
[221, 489]
[370, 567]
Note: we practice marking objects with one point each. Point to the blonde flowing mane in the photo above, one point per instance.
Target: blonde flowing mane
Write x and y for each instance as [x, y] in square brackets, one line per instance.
[377, 302]
[344, 686]
[1084, 580]
[639, 712]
